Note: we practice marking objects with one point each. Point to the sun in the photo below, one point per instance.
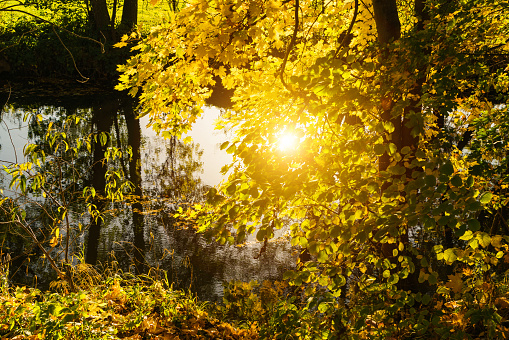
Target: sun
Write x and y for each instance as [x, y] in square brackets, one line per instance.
[287, 142]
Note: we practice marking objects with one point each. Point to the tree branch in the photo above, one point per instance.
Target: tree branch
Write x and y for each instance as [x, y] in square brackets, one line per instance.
[290, 46]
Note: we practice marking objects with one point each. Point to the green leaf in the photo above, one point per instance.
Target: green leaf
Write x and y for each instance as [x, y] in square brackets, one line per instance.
[231, 188]
[419, 153]
[103, 138]
[432, 278]
[23, 183]
[323, 307]
[322, 256]
[393, 279]
[389, 127]
[474, 224]
[289, 274]
[339, 280]
[231, 149]
[313, 248]
[335, 231]
[486, 197]
[426, 298]
[260, 235]
[430, 180]
[392, 149]
[405, 150]
[474, 244]
[233, 211]
[456, 181]
[372, 187]
[447, 169]
[363, 197]
[379, 149]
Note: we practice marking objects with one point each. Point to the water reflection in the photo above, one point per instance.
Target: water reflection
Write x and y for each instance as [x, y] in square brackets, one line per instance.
[166, 174]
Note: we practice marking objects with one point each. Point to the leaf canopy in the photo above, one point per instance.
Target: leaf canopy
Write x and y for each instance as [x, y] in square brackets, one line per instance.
[401, 164]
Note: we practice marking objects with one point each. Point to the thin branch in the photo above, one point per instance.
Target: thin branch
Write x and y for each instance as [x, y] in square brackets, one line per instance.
[290, 46]
[367, 8]
[20, 37]
[72, 57]
[47, 255]
[350, 27]
[59, 27]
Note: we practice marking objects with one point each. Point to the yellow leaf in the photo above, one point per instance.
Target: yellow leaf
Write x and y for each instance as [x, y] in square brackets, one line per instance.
[484, 239]
[53, 242]
[120, 44]
[496, 241]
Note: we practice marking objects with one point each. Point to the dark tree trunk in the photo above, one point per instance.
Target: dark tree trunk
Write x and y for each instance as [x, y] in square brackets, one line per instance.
[129, 14]
[101, 16]
[387, 21]
[389, 30]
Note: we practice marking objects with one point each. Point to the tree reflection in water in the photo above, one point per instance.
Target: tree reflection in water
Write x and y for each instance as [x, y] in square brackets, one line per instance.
[143, 234]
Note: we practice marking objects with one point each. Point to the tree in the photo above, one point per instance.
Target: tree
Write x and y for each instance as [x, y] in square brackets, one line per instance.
[384, 188]
[54, 183]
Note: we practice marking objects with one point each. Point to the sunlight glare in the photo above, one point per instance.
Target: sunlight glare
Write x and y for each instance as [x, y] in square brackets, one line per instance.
[287, 142]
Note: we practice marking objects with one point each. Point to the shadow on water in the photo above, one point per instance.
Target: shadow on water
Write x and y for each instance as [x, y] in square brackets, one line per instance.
[141, 235]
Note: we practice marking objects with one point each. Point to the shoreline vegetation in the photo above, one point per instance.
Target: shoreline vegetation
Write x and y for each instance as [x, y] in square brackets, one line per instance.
[112, 309]
[116, 305]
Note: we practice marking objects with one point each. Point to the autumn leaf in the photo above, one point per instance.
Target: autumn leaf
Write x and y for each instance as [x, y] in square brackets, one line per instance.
[455, 282]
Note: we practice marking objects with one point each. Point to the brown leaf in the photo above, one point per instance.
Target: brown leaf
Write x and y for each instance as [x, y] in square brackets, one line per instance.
[502, 302]
[455, 282]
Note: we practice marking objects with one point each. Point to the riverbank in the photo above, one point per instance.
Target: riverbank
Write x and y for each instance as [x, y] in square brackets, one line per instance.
[115, 308]
[27, 89]
[122, 306]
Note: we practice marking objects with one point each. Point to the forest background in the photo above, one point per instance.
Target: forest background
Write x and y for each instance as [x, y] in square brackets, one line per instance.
[397, 191]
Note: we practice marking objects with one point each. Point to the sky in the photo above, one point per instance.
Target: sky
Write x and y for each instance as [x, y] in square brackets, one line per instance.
[203, 133]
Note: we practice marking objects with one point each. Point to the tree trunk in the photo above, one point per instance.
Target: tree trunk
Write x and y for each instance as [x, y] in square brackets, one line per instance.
[129, 14]
[387, 22]
[101, 16]
[389, 30]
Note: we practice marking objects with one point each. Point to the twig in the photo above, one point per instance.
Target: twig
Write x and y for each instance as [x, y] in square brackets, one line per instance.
[72, 57]
[290, 46]
[350, 27]
[21, 37]
[59, 27]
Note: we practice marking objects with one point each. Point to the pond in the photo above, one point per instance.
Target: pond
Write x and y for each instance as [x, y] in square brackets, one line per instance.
[142, 235]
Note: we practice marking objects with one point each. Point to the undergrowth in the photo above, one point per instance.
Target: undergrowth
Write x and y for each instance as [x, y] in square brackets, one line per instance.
[127, 307]
[110, 304]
